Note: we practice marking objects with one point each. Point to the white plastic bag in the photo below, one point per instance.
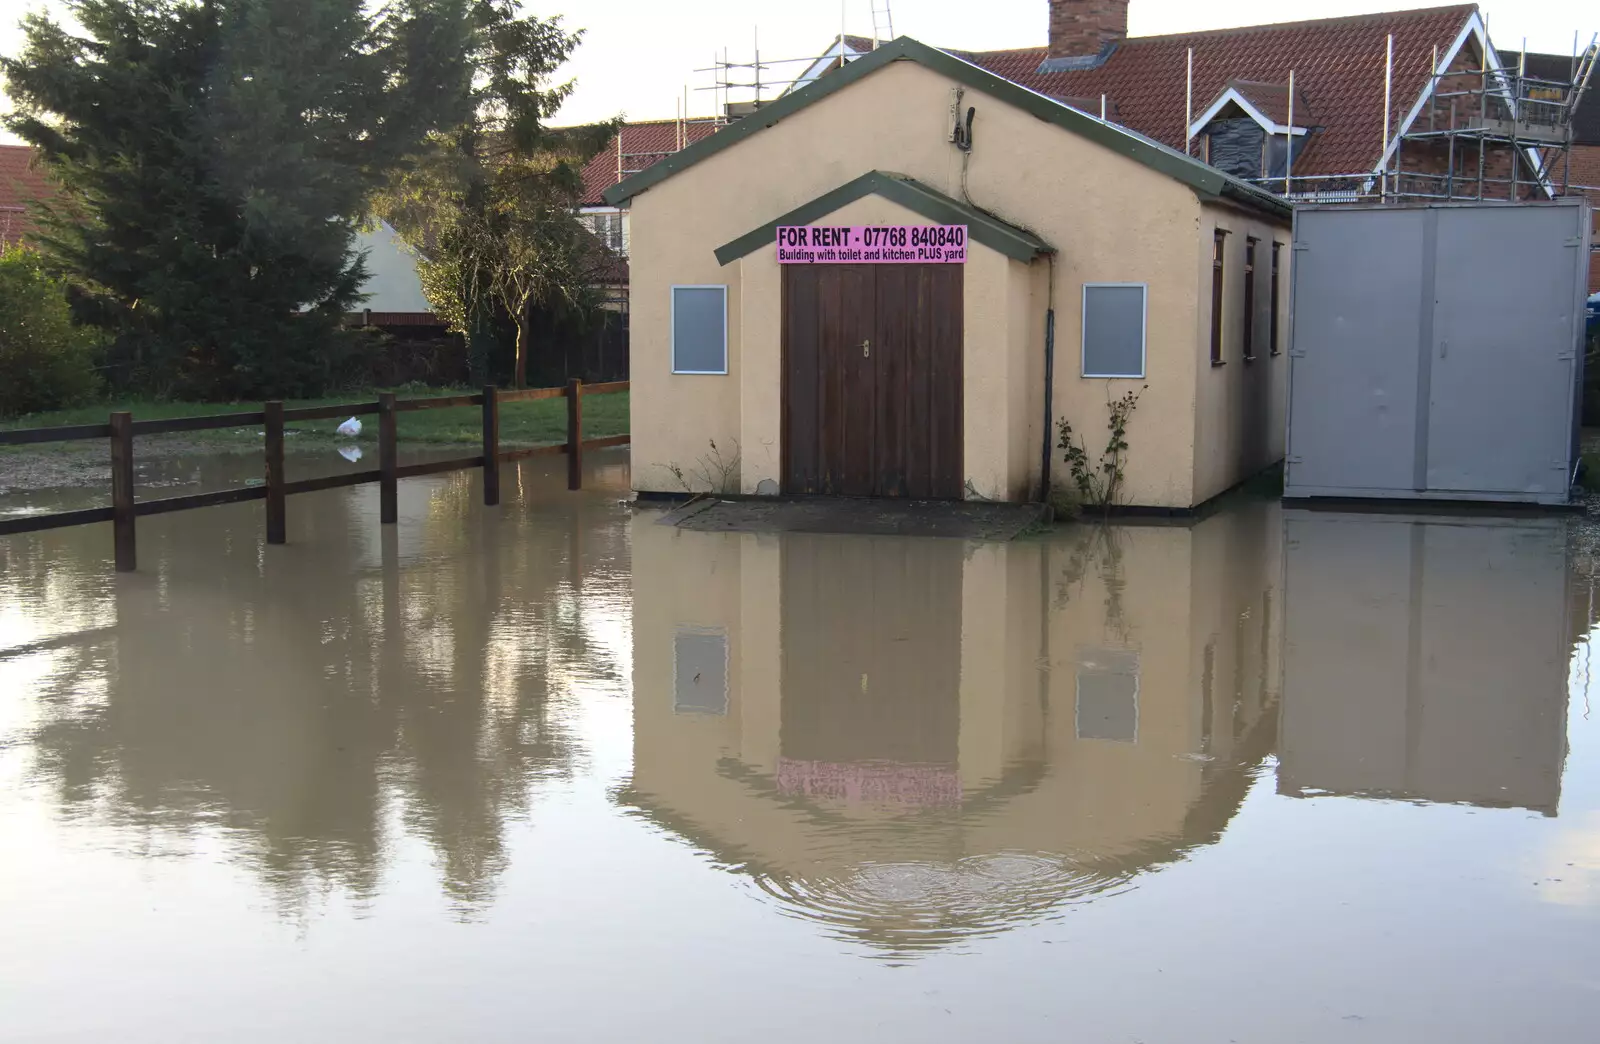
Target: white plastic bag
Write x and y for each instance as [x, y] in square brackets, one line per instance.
[350, 427]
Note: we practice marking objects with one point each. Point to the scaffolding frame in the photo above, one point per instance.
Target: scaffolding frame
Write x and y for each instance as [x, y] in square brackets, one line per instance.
[755, 76]
[1494, 108]
[1530, 117]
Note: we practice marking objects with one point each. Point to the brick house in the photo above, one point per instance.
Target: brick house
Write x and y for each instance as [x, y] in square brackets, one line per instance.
[21, 185]
[636, 146]
[1236, 111]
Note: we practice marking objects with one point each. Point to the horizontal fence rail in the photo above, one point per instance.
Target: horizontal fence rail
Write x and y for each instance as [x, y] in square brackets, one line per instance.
[276, 488]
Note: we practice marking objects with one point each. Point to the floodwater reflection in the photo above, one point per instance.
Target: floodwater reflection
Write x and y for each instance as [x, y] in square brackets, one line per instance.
[918, 741]
[412, 671]
[1427, 658]
[461, 777]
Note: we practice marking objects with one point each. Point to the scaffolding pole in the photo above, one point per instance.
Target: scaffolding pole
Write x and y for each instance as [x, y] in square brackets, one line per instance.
[1388, 90]
[1188, 108]
[1288, 152]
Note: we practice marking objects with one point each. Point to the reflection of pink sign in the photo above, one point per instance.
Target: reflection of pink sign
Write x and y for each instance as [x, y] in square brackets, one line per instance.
[870, 781]
[872, 244]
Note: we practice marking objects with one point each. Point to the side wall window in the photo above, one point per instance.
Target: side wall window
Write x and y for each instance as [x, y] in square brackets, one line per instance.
[1219, 243]
[1249, 298]
[700, 329]
[1113, 329]
[1274, 349]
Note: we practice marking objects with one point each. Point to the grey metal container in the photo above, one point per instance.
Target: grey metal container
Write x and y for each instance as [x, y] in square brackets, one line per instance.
[1436, 351]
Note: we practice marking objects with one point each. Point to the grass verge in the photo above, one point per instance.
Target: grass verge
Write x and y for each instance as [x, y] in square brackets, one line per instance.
[537, 423]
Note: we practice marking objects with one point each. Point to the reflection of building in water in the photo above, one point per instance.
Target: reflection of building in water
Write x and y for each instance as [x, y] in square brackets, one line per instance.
[916, 740]
[1425, 658]
[311, 700]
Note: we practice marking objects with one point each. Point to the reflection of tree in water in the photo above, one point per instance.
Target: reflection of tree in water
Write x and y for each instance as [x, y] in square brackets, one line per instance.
[307, 705]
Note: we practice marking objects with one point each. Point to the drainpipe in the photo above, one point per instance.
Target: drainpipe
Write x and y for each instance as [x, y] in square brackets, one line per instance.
[1049, 385]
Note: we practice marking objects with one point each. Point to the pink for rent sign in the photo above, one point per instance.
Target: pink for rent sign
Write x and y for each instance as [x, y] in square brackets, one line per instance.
[872, 244]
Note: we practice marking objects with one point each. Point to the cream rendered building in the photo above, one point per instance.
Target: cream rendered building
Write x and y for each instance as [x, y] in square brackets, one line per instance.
[1129, 245]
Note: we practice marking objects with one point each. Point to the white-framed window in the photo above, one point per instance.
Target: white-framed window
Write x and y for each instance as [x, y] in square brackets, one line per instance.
[610, 226]
[700, 329]
[1114, 329]
[700, 671]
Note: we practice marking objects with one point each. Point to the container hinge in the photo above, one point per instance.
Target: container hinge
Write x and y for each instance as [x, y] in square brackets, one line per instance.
[1294, 460]
[1302, 246]
[1575, 242]
[1297, 354]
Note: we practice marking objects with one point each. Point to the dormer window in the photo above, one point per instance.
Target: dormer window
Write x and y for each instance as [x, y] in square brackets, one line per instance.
[1246, 130]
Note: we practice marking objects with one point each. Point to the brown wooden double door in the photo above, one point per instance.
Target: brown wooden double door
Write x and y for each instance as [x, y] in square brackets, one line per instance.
[872, 380]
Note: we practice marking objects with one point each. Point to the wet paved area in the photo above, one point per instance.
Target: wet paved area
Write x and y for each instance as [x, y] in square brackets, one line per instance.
[558, 772]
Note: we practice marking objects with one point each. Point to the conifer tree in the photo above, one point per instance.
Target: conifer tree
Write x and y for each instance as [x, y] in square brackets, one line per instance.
[215, 160]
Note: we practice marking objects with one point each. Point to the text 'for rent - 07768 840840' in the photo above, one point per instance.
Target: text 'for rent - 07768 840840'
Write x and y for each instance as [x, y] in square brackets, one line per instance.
[872, 244]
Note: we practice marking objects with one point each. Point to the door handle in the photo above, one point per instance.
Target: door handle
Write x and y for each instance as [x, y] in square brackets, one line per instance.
[866, 349]
[1444, 348]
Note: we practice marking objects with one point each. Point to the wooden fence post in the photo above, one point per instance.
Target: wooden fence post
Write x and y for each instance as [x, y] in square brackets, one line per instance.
[277, 521]
[122, 491]
[388, 461]
[491, 446]
[574, 433]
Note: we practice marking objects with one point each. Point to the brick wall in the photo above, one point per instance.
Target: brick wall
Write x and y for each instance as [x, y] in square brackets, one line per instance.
[1430, 162]
[1082, 27]
[1585, 171]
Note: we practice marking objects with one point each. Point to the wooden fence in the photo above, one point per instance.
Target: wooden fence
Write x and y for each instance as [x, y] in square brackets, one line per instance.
[122, 428]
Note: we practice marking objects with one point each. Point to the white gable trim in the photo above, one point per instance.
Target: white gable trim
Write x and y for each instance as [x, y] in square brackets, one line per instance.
[1473, 30]
[1231, 95]
[839, 50]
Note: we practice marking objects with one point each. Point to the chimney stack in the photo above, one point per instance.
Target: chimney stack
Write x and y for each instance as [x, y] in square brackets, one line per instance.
[1080, 28]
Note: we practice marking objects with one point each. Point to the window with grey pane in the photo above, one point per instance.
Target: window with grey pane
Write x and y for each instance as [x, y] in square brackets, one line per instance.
[1113, 329]
[1108, 695]
[699, 329]
[700, 671]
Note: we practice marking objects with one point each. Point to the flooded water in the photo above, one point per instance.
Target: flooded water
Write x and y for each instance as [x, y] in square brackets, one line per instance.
[557, 772]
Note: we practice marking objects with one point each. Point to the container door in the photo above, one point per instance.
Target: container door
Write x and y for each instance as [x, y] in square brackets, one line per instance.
[1501, 363]
[1358, 301]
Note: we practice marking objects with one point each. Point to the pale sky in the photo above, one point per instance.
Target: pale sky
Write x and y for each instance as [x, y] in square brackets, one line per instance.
[640, 54]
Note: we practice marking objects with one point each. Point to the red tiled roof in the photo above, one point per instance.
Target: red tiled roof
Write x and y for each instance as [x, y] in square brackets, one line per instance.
[1091, 105]
[643, 145]
[20, 184]
[1338, 65]
[1272, 101]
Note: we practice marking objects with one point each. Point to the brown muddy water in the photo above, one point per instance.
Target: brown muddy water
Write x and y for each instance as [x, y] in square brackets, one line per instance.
[555, 772]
